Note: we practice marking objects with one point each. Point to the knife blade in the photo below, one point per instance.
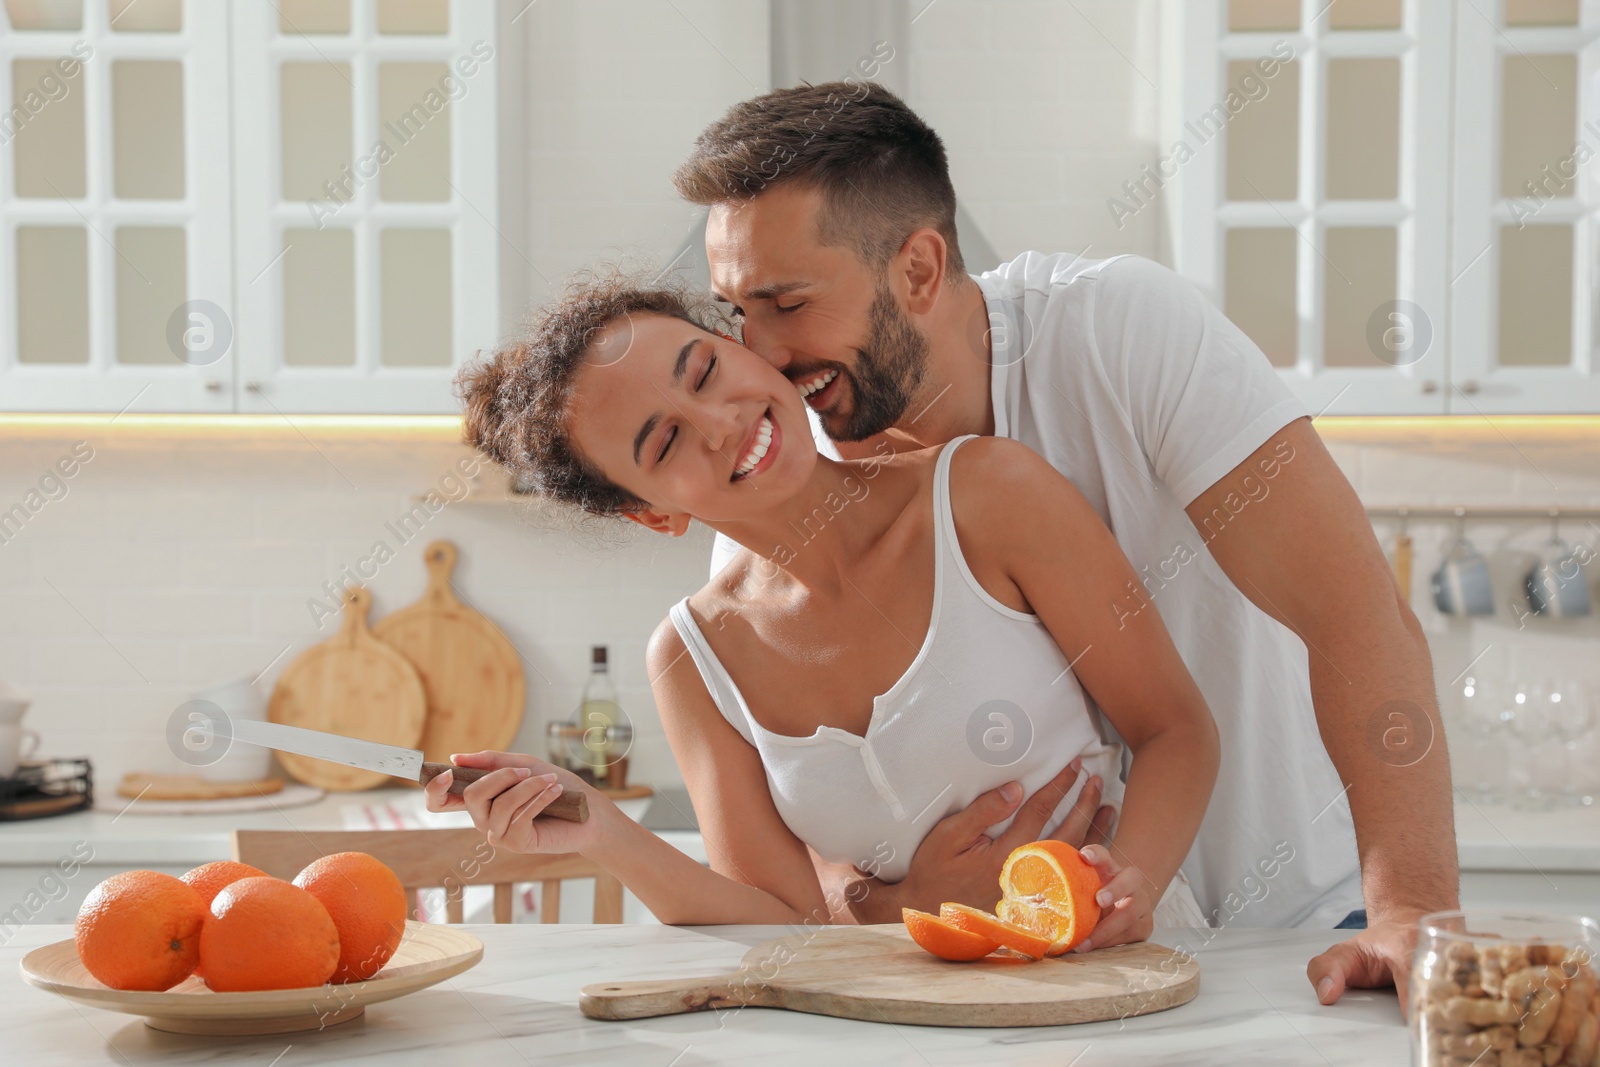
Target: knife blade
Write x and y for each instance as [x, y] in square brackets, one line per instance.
[385, 759]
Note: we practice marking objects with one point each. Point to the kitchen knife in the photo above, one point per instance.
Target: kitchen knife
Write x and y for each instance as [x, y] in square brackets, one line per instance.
[385, 759]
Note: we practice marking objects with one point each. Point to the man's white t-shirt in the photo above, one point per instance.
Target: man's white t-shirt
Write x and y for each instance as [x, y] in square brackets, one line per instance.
[1143, 394]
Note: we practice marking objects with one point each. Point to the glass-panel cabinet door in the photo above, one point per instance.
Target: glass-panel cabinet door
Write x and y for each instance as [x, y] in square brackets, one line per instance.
[115, 247]
[1312, 164]
[365, 215]
[1528, 203]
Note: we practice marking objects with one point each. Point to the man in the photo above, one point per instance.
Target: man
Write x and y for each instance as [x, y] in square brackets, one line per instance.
[832, 234]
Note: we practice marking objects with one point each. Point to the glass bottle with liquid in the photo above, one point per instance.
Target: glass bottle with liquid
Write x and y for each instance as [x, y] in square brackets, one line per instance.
[599, 715]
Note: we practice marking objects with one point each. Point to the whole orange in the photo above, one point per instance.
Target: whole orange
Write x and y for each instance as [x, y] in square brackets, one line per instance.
[209, 878]
[368, 905]
[265, 933]
[140, 930]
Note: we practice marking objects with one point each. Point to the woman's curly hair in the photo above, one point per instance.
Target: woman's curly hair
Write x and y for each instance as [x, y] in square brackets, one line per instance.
[516, 401]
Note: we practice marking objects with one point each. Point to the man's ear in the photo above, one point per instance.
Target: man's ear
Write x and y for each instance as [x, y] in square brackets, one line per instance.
[675, 523]
[922, 261]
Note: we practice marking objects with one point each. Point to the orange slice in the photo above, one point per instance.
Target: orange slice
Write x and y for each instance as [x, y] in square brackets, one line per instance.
[943, 940]
[995, 929]
[1049, 889]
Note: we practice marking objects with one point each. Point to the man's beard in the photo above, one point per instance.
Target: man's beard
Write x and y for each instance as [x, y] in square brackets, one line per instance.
[888, 370]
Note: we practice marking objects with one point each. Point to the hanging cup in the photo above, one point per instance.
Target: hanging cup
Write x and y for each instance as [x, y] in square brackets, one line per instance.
[1555, 585]
[1461, 584]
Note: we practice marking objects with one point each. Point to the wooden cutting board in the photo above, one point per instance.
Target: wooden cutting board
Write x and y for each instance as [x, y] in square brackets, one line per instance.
[470, 672]
[877, 973]
[191, 787]
[351, 684]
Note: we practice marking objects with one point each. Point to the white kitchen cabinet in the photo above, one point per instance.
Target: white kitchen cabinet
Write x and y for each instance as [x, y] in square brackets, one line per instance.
[255, 208]
[1527, 189]
[1351, 191]
[113, 213]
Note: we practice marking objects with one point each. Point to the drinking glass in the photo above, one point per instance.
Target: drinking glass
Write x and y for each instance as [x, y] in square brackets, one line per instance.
[1483, 981]
[1483, 715]
[1536, 786]
[1572, 714]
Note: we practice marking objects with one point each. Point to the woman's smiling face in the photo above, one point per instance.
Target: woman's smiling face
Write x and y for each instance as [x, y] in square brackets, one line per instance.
[692, 422]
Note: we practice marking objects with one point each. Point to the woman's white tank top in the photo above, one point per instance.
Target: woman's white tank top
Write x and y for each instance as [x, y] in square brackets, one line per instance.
[990, 698]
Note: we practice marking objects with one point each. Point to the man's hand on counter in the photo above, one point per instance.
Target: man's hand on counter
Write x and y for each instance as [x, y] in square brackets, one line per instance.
[1376, 957]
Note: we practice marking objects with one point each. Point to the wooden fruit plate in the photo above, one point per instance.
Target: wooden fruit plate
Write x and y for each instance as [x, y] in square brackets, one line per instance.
[428, 954]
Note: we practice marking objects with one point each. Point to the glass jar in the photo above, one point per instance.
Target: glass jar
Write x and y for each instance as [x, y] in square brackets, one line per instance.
[1505, 989]
[582, 748]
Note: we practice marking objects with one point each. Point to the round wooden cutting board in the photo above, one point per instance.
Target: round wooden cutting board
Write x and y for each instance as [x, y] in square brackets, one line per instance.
[470, 672]
[353, 685]
[877, 973]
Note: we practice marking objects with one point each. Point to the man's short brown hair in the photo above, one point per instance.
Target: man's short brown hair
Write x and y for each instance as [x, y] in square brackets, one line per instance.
[882, 171]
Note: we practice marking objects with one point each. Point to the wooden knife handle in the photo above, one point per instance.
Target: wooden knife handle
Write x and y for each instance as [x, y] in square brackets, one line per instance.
[572, 806]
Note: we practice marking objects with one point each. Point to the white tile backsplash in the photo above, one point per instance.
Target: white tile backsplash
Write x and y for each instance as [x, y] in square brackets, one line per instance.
[168, 568]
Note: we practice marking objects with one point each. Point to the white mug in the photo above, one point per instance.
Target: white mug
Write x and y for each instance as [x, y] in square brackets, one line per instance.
[17, 743]
[13, 702]
[241, 762]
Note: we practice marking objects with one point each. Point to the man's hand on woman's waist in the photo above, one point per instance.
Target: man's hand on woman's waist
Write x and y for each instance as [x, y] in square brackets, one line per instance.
[958, 861]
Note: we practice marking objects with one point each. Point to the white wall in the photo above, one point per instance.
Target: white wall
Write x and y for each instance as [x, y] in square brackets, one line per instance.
[1045, 108]
[616, 92]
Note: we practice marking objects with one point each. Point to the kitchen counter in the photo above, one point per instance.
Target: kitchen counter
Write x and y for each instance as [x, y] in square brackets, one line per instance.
[1494, 837]
[1490, 837]
[519, 1006]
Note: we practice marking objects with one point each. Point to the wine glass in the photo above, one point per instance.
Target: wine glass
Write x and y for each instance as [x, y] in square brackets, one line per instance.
[1529, 712]
[1484, 718]
[1571, 715]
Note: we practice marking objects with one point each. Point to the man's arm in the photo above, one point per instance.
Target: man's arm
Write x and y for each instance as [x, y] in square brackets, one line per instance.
[1303, 551]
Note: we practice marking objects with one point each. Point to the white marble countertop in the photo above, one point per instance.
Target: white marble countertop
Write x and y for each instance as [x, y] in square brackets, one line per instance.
[1490, 837]
[519, 1007]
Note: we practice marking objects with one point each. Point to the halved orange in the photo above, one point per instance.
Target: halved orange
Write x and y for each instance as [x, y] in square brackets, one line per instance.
[1049, 889]
[981, 923]
[944, 940]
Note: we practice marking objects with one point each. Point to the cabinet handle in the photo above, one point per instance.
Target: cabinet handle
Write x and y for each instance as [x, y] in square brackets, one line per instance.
[252, 386]
[213, 385]
[1469, 387]
[1430, 386]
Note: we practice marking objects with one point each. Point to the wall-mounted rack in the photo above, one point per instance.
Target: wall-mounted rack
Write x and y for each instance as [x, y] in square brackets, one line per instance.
[1471, 512]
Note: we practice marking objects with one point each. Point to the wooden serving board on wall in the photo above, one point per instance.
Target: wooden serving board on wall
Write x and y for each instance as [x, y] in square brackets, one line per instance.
[878, 974]
[351, 684]
[470, 672]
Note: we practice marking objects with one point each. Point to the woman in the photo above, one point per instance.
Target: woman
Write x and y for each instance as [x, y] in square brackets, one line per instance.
[898, 636]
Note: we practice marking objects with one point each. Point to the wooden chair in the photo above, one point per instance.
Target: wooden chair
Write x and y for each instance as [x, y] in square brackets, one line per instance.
[429, 859]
